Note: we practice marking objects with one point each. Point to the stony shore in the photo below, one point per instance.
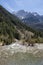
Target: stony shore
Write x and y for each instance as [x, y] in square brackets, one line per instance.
[16, 47]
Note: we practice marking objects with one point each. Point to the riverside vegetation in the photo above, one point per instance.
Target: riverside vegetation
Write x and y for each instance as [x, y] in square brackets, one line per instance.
[12, 28]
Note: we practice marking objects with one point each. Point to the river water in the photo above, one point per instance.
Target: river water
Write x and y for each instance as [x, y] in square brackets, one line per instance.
[8, 56]
[20, 59]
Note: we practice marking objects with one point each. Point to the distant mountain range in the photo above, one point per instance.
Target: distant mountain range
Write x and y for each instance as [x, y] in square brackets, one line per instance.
[33, 19]
[21, 14]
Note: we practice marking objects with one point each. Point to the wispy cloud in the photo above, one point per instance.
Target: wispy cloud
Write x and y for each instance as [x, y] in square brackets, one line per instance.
[28, 5]
[7, 6]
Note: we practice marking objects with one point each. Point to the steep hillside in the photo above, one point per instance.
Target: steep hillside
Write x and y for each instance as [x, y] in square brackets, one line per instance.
[12, 28]
[7, 28]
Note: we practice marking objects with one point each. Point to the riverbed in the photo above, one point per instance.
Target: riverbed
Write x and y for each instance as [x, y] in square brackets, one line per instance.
[16, 54]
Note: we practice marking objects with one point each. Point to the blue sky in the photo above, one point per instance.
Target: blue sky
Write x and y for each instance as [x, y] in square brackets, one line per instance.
[27, 5]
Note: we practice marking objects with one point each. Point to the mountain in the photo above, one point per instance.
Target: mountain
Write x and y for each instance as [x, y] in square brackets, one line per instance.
[7, 28]
[11, 27]
[33, 19]
[21, 14]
